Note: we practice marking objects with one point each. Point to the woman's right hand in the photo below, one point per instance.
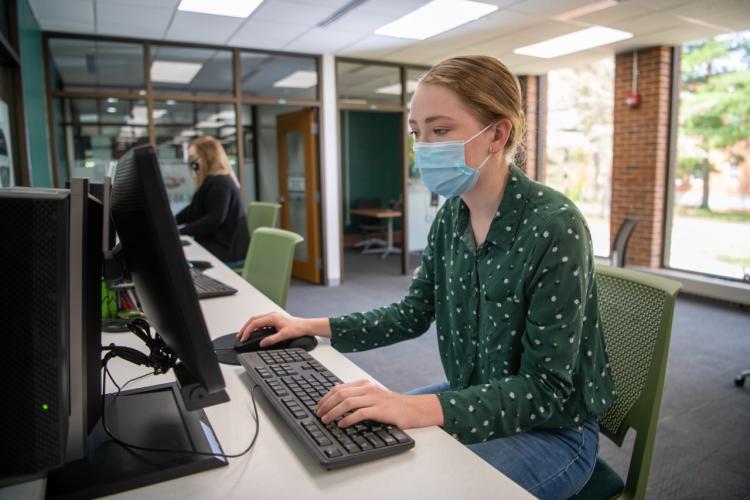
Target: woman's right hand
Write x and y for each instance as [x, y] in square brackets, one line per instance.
[287, 327]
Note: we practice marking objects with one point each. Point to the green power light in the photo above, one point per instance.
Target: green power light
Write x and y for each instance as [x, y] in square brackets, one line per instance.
[45, 406]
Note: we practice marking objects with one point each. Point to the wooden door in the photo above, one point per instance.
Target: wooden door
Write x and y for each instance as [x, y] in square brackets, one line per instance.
[298, 187]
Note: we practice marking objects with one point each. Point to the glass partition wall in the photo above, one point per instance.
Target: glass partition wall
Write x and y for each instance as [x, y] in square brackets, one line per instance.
[107, 94]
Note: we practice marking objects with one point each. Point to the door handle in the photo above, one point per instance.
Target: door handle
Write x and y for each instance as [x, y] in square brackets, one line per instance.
[282, 200]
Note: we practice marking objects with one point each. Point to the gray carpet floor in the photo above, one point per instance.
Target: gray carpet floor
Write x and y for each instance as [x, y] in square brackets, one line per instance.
[702, 445]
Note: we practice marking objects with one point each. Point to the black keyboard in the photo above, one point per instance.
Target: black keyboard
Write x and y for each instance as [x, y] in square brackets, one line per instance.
[293, 381]
[208, 287]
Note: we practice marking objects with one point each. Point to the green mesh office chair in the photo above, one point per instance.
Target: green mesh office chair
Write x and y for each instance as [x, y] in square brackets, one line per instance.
[636, 312]
[261, 214]
[268, 265]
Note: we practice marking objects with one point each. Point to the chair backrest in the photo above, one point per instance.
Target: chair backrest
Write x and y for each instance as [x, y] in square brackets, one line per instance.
[261, 214]
[620, 243]
[636, 313]
[268, 265]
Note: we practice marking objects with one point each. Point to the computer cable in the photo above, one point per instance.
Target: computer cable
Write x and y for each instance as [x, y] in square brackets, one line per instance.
[129, 354]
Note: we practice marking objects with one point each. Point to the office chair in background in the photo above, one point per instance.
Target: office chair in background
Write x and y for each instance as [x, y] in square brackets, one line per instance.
[259, 214]
[268, 265]
[370, 229]
[636, 313]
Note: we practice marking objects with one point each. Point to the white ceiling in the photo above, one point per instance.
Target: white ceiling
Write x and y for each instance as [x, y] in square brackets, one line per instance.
[291, 25]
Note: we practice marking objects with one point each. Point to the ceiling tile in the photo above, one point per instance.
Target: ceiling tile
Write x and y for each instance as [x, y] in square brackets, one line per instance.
[266, 34]
[392, 8]
[157, 4]
[115, 18]
[337, 4]
[360, 22]
[286, 12]
[71, 15]
[648, 23]
[324, 40]
[202, 28]
[375, 46]
[548, 8]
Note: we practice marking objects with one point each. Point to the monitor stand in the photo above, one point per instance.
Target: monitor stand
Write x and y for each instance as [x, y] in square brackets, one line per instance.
[153, 417]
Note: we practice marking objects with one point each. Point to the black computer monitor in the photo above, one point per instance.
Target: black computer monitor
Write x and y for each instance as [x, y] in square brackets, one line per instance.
[167, 416]
[155, 260]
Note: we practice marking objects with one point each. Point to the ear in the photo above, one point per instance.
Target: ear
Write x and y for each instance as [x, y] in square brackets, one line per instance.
[500, 136]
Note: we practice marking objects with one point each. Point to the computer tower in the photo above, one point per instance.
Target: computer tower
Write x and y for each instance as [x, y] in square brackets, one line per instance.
[34, 292]
[50, 326]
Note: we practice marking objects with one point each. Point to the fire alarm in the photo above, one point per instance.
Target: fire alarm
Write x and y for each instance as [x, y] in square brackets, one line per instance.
[633, 100]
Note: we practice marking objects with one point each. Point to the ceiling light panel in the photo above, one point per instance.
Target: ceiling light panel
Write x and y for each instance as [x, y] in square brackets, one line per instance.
[574, 42]
[230, 8]
[174, 72]
[436, 17]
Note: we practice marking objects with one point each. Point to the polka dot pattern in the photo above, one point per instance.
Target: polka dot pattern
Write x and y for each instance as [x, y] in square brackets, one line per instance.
[517, 316]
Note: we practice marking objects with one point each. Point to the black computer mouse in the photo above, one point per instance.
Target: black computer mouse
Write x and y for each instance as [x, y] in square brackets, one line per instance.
[200, 264]
[253, 342]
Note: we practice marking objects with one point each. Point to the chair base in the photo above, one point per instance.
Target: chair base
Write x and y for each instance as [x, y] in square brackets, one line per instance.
[385, 251]
[370, 242]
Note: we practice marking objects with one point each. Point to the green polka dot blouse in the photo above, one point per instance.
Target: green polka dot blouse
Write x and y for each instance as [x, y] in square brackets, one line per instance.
[517, 318]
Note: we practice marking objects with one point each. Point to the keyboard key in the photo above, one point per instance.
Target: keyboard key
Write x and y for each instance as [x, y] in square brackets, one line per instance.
[397, 433]
[373, 439]
[323, 441]
[351, 447]
[362, 442]
[333, 452]
[387, 438]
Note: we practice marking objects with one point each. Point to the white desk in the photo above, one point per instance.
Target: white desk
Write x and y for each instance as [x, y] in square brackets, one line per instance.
[278, 467]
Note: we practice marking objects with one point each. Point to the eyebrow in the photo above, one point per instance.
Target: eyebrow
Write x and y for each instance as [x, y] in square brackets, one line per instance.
[432, 119]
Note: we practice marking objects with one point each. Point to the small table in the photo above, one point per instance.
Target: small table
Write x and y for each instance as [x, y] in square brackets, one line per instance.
[380, 213]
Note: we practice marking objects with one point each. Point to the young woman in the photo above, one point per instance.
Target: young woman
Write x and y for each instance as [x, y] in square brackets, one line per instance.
[508, 276]
[216, 214]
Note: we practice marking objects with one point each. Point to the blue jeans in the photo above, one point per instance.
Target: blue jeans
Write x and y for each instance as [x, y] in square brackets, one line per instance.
[548, 463]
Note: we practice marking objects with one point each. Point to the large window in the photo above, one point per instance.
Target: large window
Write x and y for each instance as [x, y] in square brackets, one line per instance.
[579, 142]
[710, 229]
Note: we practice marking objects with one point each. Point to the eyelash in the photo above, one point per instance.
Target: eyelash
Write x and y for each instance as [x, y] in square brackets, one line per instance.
[438, 132]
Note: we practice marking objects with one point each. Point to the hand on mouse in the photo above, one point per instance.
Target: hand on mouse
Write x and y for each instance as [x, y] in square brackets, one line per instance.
[287, 327]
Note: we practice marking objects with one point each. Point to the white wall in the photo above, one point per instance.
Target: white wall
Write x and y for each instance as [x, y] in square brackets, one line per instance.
[330, 180]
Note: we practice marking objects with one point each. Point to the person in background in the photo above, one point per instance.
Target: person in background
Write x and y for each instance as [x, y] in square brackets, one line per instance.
[216, 215]
[508, 277]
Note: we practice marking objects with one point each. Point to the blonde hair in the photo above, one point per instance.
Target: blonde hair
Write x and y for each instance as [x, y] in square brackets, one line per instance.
[212, 159]
[490, 90]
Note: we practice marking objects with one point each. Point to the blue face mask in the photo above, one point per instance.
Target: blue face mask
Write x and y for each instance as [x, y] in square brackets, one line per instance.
[443, 166]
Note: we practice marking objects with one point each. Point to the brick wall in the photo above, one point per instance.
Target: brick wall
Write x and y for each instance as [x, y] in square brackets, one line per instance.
[641, 143]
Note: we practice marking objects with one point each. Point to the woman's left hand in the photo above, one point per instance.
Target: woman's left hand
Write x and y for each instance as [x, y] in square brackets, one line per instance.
[363, 400]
